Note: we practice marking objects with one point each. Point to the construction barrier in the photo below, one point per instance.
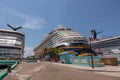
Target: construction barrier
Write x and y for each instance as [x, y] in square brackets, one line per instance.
[29, 60]
[110, 61]
[8, 62]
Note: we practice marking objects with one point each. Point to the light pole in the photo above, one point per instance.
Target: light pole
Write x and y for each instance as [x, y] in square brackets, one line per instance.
[91, 56]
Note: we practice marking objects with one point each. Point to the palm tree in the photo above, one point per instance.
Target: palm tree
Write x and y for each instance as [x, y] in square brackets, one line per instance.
[58, 50]
[54, 51]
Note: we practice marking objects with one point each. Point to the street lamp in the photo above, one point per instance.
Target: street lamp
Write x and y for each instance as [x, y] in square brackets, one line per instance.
[91, 56]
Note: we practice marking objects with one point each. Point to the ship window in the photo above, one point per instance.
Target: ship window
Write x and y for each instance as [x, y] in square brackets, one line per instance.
[3, 50]
[7, 50]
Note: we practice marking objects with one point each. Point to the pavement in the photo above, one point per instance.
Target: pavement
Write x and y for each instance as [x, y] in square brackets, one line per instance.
[24, 71]
[107, 70]
[32, 71]
[87, 68]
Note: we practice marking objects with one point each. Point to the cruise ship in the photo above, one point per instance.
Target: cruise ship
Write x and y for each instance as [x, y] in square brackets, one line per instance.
[62, 37]
[11, 44]
[107, 45]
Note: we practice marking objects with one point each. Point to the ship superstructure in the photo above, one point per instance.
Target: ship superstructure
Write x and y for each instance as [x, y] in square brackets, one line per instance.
[11, 44]
[60, 37]
[107, 45]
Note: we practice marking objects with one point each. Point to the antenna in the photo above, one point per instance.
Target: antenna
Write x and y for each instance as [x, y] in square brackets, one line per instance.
[14, 28]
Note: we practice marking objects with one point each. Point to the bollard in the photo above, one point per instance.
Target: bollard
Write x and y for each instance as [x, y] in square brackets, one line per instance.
[9, 68]
[18, 62]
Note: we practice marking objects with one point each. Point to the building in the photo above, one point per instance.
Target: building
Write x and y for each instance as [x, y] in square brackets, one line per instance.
[62, 37]
[11, 44]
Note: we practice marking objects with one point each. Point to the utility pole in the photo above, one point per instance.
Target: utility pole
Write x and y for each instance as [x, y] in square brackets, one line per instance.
[92, 62]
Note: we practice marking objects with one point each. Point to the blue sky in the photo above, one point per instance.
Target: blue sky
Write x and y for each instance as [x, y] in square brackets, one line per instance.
[39, 17]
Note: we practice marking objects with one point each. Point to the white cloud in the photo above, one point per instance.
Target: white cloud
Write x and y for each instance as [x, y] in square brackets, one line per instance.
[28, 51]
[29, 21]
[34, 23]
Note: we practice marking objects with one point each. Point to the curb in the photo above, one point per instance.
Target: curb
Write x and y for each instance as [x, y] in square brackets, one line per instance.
[14, 66]
[3, 74]
[97, 70]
